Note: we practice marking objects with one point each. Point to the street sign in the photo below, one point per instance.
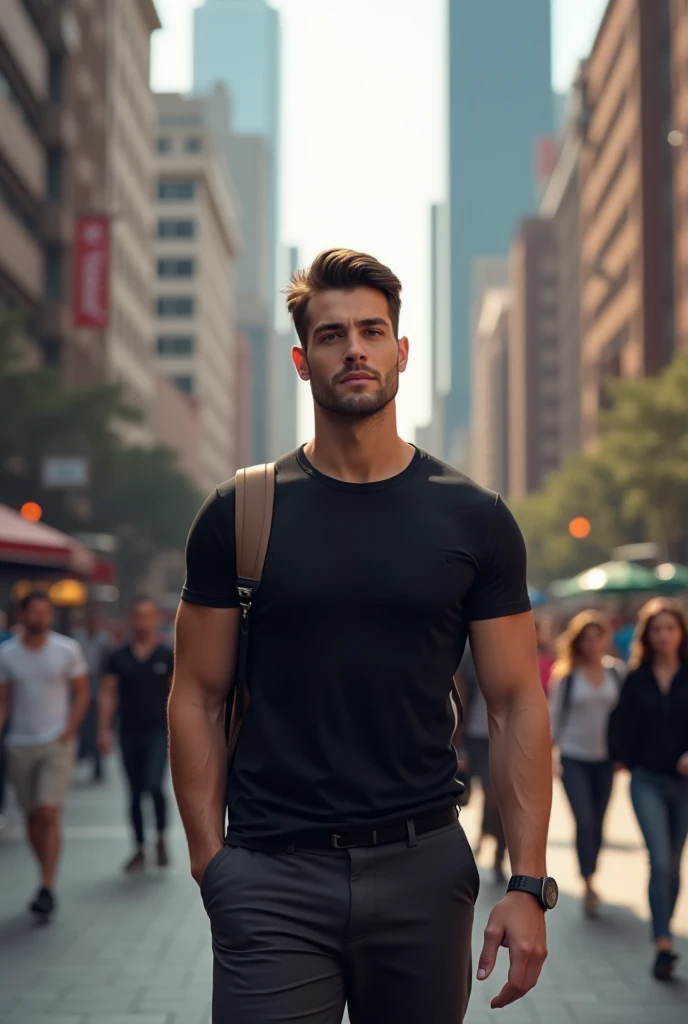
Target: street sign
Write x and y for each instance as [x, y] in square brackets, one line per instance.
[66, 471]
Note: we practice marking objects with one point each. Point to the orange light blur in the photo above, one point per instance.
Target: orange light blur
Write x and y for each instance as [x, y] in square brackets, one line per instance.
[580, 528]
[32, 511]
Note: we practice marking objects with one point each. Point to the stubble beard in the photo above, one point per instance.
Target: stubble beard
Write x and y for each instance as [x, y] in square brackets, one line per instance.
[355, 407]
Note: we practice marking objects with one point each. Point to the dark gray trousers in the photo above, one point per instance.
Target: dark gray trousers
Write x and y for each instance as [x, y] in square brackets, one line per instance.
[386, 930]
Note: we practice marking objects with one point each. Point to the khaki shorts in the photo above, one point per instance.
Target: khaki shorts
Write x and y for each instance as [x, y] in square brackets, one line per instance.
[41, 775]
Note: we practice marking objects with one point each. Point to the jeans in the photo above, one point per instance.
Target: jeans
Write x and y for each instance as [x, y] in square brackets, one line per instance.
[144, 755]
[588, 786]
[88, 740]
[660, 803]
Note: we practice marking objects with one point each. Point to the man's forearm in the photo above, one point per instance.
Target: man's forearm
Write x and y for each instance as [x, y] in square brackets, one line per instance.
[520, 765]
[198, 759]
[78, 710]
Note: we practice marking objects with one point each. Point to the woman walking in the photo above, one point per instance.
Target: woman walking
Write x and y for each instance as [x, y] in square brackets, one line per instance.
[587, 689]
[648, 733]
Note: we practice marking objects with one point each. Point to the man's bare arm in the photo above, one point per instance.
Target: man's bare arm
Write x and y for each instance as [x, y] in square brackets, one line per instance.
[4, 703]
[79, 706]
[505, 656]
[205, 660]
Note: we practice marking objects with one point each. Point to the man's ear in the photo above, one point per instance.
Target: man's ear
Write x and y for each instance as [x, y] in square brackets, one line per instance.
[403, 357]
[300, 361]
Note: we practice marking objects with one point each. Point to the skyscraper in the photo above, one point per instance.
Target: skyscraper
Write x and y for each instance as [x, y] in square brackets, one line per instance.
[237, 42]
[500, 103]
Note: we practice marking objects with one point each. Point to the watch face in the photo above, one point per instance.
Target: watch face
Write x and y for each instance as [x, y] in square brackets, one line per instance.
[550, 893]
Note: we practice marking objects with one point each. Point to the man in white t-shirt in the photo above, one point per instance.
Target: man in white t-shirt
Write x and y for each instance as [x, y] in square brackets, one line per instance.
[44, 691]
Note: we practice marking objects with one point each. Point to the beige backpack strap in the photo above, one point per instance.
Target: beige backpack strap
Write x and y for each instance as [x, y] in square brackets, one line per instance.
[254, 500]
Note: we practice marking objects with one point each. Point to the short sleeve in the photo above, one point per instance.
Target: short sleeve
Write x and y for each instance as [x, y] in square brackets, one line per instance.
[76, 663]
[4, 674]
[211, 553]
[500, 587]
[112, 664]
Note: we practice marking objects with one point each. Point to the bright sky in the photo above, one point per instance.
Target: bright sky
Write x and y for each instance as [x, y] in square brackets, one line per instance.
[363, 134]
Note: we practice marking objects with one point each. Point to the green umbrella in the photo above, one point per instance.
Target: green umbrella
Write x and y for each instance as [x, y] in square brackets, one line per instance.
[671, 576]
[608, 578]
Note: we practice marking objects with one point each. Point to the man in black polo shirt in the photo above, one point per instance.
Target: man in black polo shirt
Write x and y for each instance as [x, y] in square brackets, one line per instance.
[137, 683]
[344, 875]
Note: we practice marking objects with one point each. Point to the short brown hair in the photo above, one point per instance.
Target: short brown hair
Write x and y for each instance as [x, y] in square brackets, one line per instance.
[341, 269]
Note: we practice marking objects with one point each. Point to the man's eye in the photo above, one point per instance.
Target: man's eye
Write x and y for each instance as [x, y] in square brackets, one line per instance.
[328, 337]
[371, 330]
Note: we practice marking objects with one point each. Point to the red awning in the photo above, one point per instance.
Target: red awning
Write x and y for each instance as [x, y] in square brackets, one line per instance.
[38, 544]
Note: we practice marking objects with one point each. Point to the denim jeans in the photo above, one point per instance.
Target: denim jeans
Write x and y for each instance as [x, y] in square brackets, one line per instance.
[144, 756]
[588, 786]
[660, 803]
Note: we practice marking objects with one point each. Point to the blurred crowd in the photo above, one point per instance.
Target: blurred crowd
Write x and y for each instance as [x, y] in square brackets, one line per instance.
[617, 689]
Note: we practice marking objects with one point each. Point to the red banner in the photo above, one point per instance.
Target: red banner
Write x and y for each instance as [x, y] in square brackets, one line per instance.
[92, 272]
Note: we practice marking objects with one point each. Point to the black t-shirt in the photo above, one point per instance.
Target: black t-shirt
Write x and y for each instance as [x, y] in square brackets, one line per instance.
[649, 729]
[144, 687]
[357, 629]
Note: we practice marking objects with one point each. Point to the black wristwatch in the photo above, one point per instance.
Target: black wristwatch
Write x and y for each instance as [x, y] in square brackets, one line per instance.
[545, 890]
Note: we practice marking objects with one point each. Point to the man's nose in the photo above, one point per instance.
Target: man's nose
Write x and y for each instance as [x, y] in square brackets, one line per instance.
[354, 352]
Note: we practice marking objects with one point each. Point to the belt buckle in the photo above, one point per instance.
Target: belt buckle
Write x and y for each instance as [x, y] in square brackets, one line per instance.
[338, 845]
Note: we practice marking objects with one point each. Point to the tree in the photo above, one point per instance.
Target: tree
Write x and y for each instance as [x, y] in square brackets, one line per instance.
[137, 494]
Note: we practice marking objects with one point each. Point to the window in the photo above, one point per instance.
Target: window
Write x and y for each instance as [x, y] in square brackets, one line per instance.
[20, 107]
[55, 78]
[193, 144]
[176, 268]
[176, 228]
[54, 186]
[165, 145]
[175, 306]
[175, 345]
[185, 384]
[180, 189]
[53, 272]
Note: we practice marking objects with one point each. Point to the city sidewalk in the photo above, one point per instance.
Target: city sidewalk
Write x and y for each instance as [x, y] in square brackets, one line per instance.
[136, 950]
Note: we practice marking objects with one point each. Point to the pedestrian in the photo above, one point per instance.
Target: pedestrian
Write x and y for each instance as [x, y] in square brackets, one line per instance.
[97, 647]
[44, 693]
[345, 874]
[476, 744]
[546, 659]
[5, 634]
[136, 685]
[587, 684]
[648, 733]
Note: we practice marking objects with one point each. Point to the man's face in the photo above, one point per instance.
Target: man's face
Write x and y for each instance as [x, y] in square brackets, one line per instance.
[38, 617]
[144, 619]
[352, 358]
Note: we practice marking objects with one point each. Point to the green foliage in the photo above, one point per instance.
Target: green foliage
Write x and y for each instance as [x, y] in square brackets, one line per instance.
[633, 487]
[138, 494]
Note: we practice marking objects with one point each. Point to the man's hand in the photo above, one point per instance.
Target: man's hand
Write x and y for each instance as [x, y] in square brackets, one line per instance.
[518, 923]
[66, 736]
[200, 861]
[682, 766]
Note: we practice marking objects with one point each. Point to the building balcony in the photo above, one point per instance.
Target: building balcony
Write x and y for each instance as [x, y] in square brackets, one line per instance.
[21, 257]
[25, 45]
[21, 149]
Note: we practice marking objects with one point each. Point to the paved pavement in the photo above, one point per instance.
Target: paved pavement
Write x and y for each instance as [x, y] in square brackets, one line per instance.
[136, 950]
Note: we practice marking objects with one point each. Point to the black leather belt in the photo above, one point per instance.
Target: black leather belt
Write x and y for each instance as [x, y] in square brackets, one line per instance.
[380, 836]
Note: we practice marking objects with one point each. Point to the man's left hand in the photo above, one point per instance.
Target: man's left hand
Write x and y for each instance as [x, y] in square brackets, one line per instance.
[66, 736]
[518, 923]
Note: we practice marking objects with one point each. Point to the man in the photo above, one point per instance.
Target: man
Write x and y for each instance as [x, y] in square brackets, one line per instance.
[44, 691]
[96, 645]
[137, 682]
[345, 875]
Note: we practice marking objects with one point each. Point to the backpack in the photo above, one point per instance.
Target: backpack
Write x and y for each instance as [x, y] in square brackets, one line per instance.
[254, 502]
[567, 683]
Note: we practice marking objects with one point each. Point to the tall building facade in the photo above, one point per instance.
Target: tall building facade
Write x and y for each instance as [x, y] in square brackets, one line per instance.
[196, 247]
[500, 103]
[533, 358]
[432, 436]
[130, 185]
[627, 215]
[561, 204]
[490, 410]
[283, 380]
[24, 94]
[679, 125]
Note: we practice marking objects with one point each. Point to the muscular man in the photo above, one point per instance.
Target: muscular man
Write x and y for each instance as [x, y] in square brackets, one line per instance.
[345, 875]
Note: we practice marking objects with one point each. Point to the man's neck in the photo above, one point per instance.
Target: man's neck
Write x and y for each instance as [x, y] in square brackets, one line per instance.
[34, 641]
[145, 643]
[358, 451]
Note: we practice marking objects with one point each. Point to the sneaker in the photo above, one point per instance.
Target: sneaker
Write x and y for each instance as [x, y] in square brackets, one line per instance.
[44, 903]
[163, 856]
[591, 904]
[664, 964]
[136, 864]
